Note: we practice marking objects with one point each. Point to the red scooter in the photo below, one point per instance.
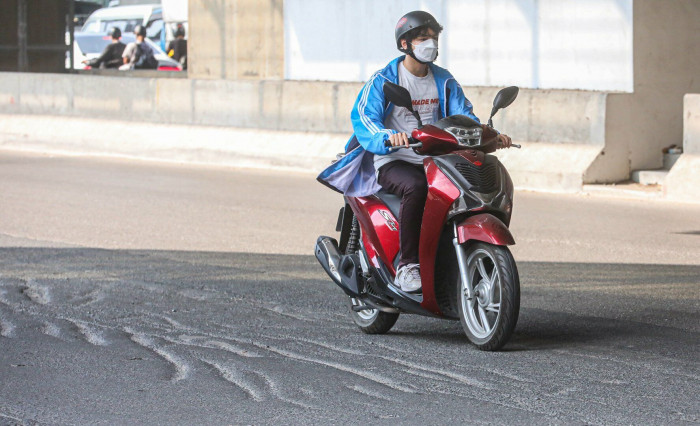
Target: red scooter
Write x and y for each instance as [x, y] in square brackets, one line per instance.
[467, 271]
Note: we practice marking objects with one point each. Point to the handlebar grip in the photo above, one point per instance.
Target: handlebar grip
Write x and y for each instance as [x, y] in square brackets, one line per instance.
[388, 144]
[411, 140]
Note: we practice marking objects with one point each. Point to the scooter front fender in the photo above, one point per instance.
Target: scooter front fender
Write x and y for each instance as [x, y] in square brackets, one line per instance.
[484, 227]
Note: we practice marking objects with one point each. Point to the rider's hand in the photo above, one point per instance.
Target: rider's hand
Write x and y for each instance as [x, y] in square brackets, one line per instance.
[504, 141]
[398, 139]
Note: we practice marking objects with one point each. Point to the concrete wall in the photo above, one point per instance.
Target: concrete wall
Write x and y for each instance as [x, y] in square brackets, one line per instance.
[683, 181]
[235, 39]
[262, 104]
[549, 116]
[666, 67]
[557, 44]
[691, 124]
[562, 131]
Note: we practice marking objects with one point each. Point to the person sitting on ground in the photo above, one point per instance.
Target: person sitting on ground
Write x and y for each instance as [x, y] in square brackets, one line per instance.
[111, 57]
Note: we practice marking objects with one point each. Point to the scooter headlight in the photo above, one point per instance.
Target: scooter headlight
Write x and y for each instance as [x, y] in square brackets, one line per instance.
[466, 136]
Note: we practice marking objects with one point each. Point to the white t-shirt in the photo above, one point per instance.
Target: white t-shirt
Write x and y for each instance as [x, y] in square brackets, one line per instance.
[424, 93]
[130, 53]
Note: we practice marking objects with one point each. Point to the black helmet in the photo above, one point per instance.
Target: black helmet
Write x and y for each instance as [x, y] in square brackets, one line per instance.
[180, 31]
[140, 30]
[115, 32]
[413, 20]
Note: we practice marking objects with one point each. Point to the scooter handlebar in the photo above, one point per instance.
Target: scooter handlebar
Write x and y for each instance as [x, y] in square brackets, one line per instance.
[413, 143]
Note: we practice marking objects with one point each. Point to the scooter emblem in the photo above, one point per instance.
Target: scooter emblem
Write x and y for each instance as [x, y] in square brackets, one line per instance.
[390, 222]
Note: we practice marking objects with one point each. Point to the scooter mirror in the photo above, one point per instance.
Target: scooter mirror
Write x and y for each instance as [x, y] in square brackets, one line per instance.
[398, 95]
[503, 98]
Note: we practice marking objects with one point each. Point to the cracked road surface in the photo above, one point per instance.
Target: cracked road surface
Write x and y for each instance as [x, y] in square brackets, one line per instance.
[105, 317]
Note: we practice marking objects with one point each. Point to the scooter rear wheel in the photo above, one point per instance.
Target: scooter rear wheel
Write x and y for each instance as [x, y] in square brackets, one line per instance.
[490, 316]
[371, 321]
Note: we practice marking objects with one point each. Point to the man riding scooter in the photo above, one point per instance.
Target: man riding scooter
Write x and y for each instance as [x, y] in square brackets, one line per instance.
[371, 164]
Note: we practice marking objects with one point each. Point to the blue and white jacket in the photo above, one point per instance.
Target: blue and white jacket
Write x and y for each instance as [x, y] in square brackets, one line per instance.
[354, 174]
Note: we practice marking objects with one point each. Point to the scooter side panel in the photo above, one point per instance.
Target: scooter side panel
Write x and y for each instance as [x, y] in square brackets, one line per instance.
[486, 228]
[441, 194]
[380, 230]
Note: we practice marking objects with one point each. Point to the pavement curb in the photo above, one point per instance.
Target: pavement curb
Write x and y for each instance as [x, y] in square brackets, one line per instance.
[308, 152]
[538, 166]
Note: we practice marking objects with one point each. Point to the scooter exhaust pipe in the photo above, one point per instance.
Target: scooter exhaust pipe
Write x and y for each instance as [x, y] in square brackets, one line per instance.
[329, 257]
[344, 270]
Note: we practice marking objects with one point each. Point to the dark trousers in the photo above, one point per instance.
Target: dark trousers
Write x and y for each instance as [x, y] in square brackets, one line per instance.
[407, 181]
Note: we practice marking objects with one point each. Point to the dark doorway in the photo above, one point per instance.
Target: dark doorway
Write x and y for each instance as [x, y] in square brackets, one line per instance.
[34, 35]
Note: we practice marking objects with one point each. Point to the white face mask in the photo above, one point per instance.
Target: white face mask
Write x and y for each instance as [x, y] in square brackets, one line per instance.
[426, 51]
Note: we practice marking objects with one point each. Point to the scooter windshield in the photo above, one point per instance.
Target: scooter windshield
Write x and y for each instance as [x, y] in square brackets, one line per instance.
[456, 121]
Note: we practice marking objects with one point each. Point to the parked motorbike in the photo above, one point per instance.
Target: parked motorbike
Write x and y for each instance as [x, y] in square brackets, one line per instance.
[466, 269]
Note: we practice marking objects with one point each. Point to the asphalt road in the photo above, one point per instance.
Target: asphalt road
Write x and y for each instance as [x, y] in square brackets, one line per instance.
[150, 293]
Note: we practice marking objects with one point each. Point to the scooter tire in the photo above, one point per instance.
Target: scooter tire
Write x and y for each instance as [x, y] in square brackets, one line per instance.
[372, 321]
[496, 335]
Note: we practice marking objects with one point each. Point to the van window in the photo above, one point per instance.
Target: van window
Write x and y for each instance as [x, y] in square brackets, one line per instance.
[126, 25]
[154, 29]
[93, 45]
[91, 27]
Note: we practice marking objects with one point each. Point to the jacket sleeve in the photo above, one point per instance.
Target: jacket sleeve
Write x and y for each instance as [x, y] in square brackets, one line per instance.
[458, 102]
[95, 62]
[368, 117]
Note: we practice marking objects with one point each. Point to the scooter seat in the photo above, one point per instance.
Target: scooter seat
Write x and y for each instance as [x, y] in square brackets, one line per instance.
[393, 202]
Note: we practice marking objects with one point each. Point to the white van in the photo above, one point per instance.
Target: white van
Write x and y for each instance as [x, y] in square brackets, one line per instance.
[126, 18]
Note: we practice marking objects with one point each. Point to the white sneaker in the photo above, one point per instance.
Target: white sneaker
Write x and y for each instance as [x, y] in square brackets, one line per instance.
[408, 278]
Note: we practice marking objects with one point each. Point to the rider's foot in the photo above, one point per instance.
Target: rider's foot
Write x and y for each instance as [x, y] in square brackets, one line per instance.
[408, 278]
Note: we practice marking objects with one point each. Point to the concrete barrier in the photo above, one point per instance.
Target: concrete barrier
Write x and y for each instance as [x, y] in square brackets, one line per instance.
[561, 131]
[683, 181]
[307, 152]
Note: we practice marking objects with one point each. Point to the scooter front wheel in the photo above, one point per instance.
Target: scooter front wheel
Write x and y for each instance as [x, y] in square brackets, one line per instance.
[371, 321]
[489, 316]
